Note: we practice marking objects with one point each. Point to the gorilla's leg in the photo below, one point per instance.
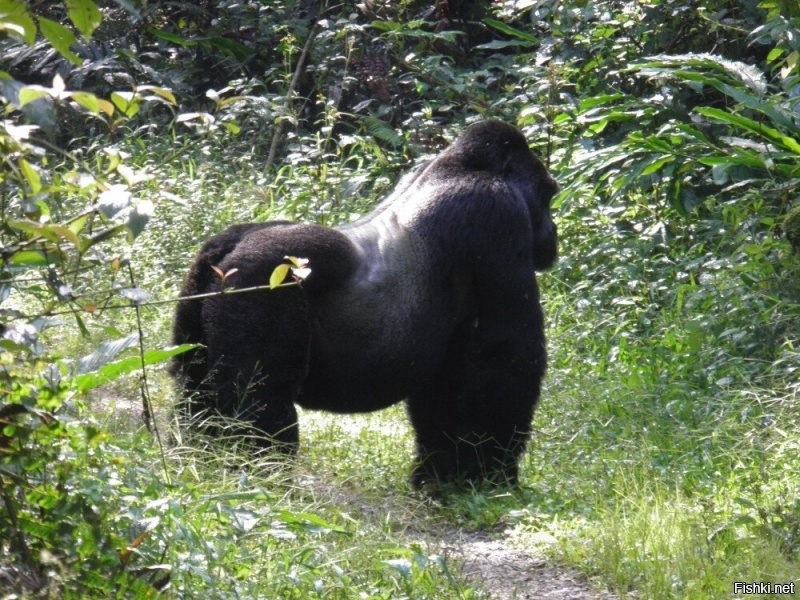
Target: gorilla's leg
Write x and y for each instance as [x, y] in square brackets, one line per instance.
[258, 346]
[474, 422]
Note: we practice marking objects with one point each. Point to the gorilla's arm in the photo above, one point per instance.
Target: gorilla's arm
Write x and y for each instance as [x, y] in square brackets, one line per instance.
[474, 419]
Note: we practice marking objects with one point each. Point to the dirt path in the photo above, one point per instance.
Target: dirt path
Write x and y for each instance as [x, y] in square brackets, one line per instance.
[509, 573]
[485, 561]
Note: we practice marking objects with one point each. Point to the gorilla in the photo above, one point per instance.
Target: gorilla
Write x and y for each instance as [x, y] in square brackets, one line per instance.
[431, 298]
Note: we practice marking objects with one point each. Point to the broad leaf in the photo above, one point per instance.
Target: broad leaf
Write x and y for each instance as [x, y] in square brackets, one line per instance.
[278, 275]
[766, 132]
[114, 370]
[87, 101]
[114, 200]
[139, 216]
[161, 92]
[60, 37]
[106, 106]
[52, 232]
[15, 20]
[28, 258]
[105, 353]
[84, 15]
[127, 102]
[31, 175]
[29, 93]
[525, 36]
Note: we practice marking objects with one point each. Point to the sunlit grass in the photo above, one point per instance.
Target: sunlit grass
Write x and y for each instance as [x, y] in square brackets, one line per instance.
[212, 517]
[660, 500]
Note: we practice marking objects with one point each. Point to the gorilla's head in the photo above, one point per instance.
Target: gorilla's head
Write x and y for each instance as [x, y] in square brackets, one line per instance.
[499, 148]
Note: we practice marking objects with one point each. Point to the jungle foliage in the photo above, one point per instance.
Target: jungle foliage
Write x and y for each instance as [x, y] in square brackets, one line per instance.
[665, 457]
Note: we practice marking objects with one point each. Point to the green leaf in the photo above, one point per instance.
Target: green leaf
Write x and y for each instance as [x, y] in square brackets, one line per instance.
[170, 37]
[766, 132]
[278, 275]
[87, 100]
[774, 55]
[386, 26]
[792, 61]
[64, 233]
[656, 166]
[162, 92]
[512, 31]
[31, 175]
[228, 47]
[501, 44]
[84, 15]
[309, 523]
[114, 200]
[742, 82]
[752, 161]
[297, 262]
[105, 353]
[60, 37]
[595, 101]
[52, 232]
[127, 102]
[382, 131]
[232, 127]
[15, 20]
[706, 68]
[29, 93]
[139, 217]
[106, 106]
[28, 258]
[78, 224]
[115, 369]
[31, 227]
[685, 200]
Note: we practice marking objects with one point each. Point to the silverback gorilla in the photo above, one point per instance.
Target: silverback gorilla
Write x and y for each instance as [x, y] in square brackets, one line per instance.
[431, 298]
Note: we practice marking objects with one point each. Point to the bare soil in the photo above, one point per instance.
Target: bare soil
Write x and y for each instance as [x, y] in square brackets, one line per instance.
[486, 560]
[505, 572]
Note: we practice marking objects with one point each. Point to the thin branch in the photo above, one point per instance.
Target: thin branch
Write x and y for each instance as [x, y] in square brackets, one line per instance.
[301, 65]
[144, 388]
[110, 293]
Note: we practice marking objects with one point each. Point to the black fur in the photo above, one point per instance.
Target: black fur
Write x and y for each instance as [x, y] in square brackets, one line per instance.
[431, 298]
